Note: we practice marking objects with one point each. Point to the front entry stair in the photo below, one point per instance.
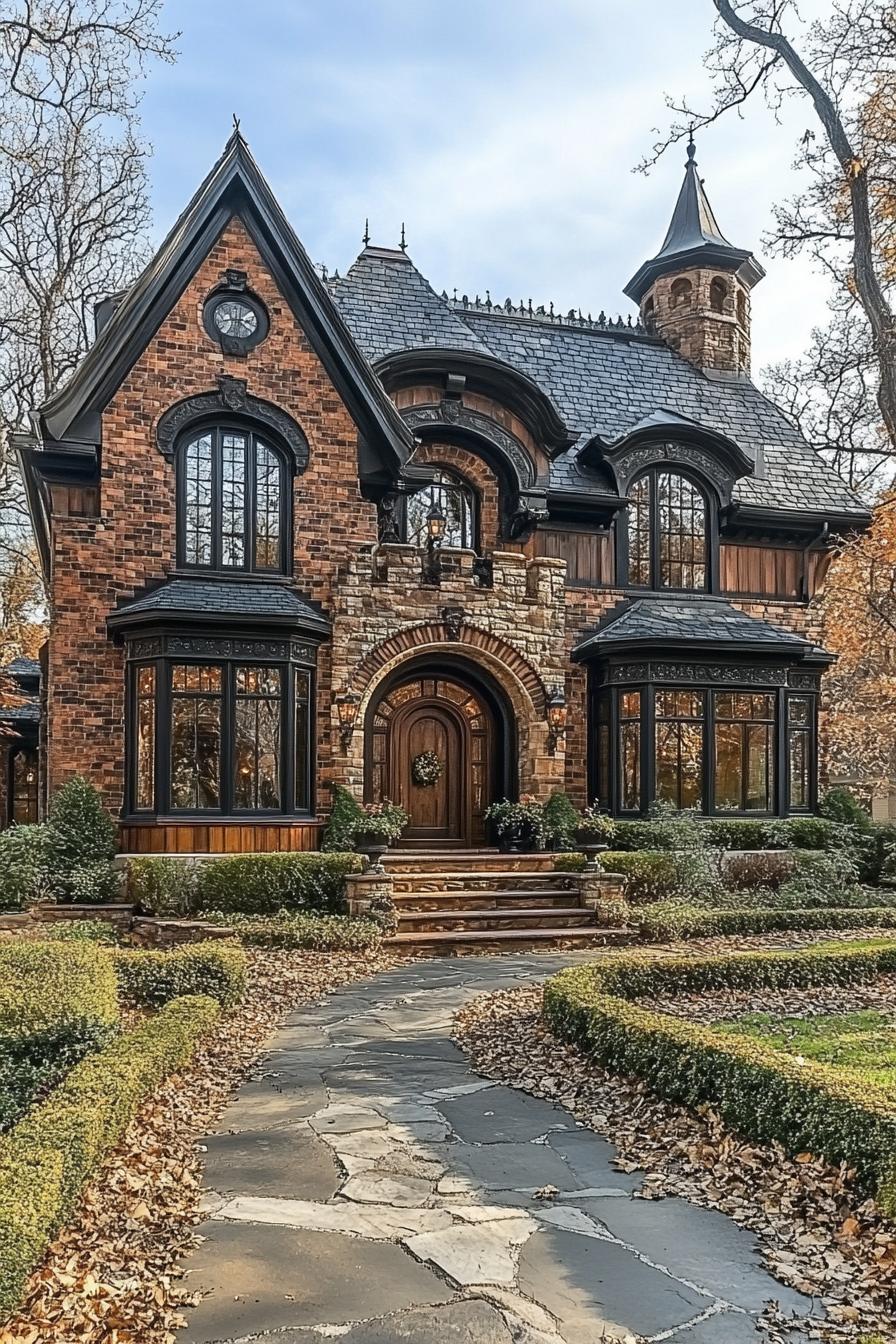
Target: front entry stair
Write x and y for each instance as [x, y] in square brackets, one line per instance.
[476, 899]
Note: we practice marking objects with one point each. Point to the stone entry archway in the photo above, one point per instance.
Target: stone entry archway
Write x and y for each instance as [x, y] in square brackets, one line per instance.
[445, 716]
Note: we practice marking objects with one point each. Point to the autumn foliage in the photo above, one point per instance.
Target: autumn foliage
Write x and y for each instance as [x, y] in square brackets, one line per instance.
[858, 605]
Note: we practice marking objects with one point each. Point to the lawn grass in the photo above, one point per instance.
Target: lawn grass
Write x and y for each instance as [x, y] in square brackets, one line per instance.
[863, 1043]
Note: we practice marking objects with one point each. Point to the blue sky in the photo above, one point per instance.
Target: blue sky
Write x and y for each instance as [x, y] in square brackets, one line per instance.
[502, 132]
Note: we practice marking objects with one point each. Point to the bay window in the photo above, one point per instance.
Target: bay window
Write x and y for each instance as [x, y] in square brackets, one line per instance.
[711, 748]
[220, 738]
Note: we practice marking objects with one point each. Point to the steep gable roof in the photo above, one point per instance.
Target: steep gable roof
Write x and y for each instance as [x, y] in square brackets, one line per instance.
[235, 186]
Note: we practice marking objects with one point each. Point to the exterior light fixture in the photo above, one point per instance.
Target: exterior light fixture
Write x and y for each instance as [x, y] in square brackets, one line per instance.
[347, 710]
[436, 522]
[556, 717]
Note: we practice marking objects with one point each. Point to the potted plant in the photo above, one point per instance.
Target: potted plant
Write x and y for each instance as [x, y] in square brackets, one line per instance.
[518, 826]
[375, 827]
[560, 821]
[594, 833]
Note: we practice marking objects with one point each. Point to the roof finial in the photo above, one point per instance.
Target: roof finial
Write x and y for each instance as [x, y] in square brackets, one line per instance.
[366, 239]
[404, 242]
[236, 123]
[692, 148]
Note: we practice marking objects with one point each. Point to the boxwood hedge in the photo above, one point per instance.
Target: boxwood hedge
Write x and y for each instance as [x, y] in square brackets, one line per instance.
[673, 919]
[252, 884]
[48, 1157]
[148, 978]
[761, 1092]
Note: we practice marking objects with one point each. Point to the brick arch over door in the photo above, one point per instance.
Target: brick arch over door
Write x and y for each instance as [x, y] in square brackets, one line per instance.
[471, 640]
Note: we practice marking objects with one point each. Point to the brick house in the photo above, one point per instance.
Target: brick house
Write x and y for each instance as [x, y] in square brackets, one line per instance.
[301, 529]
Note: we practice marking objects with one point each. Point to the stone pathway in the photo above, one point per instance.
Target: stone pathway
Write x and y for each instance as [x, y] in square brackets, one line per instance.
[369, 1187]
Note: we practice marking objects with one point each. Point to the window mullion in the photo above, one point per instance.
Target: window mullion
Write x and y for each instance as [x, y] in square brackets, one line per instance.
[250, 469]
[217, 500]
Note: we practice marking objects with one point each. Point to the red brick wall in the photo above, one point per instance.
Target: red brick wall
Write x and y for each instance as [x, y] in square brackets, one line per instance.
[97, 561]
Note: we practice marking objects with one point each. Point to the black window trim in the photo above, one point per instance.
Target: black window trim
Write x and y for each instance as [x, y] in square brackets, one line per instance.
[710, 500]
[254, 434]
[162, 809]
[780, 790]
[235, 345]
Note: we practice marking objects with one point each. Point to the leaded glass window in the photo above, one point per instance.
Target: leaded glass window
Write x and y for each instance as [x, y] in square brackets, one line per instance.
[258, 712]
[233, 502]
[668, 532]
[145, 739]
[744, 752]
[630, 750]
[679, 725]
[195, 736]
[799, 751]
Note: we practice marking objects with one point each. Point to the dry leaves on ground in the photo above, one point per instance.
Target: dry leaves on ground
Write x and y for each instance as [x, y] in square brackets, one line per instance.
[814, 1232]
[112, 1276]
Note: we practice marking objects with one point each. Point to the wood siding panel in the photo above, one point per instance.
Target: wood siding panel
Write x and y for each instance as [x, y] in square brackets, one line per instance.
[202, 838]
[588, 555]
[767, 571]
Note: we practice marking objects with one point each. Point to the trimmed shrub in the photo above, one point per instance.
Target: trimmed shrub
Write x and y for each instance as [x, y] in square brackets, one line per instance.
[811, 833]
[24, 867]
[673, 919]
[664, 875]
[81, 841]
[56, 1004]
[559, 821]
[572, 863]
[761, 1092]
[262, 884]
[840, 805]
[49, 1156]
[313, 933]
[149, 979]
[760, 868]
[736, 833]
[45, 986]
[345, 811]
[164, 886]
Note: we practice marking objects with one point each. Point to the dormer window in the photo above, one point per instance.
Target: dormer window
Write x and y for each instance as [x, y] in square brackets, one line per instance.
[668, 532]
[232, 502]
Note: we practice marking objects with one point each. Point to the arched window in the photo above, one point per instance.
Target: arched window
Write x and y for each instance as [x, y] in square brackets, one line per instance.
[668, 519]
[456, 500]
[232, 502]
[648, 315]
[741, 308]
[718, 293]
[680, 293]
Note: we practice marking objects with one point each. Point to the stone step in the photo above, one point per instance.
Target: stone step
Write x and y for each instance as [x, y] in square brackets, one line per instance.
[485, 900]
[465, 860]
[430, 880]
[505, 940]
[428, 921]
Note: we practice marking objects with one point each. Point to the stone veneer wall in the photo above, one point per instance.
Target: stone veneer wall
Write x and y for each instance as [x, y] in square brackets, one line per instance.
[516, 630]
[709, 339]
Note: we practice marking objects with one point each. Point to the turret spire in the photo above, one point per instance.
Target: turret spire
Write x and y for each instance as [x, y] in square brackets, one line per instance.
[694, 238]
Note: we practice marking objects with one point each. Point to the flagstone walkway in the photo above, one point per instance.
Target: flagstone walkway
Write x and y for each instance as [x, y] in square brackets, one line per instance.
[369, 1187]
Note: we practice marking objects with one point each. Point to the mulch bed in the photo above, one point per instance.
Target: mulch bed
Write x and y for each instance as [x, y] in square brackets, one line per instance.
[814, 1232]
[112, 1277]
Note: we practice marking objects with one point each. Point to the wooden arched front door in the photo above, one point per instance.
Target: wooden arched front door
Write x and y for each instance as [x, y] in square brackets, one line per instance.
[446, 725]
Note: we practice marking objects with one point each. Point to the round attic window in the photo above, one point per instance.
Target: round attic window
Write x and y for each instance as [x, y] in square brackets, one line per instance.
[237, 320]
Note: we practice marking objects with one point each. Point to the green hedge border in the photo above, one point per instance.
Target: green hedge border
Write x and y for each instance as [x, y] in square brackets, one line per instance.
[761, 1092]
[48, 985]
[149, 978]
[46, 1160]
[695, 922]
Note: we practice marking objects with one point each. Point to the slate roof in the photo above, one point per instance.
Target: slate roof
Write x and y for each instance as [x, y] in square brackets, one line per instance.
[704, 621]
[25, 713]
[601, 381]
[210, 598]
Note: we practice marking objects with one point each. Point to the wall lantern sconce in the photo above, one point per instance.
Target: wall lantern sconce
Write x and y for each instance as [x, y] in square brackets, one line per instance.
[436, 522]
[556, 717]
[347, 709]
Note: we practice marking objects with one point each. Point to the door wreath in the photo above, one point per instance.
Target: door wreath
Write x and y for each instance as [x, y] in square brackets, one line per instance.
[427, 769]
